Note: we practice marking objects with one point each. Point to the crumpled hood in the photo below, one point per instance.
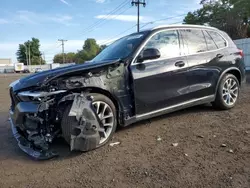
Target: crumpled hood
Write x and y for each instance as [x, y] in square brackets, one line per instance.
[39, 78]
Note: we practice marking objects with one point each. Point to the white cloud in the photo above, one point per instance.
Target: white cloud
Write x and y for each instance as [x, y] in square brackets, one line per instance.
[126, 18]
[100, 1]
[38, 18]
[65, 2]
[3, 21]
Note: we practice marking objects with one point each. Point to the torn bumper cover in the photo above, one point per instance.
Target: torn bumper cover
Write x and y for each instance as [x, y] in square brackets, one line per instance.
[25, 145]
[30, 123]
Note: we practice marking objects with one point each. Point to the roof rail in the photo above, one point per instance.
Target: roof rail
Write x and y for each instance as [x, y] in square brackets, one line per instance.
[183, 25]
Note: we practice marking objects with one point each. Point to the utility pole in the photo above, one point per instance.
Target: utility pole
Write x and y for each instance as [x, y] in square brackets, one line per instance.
[61, 40]
[44, 57]
[29, 56]
[27, 60]
[138, 3]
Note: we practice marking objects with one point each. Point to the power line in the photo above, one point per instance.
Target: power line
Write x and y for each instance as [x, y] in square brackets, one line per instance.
[101, 21]
[111, 39]
[105, 19]
[168, 18]
[138, 3]
[92, 29]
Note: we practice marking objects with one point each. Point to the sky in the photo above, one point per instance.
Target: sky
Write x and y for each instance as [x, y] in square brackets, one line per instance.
[77, 20]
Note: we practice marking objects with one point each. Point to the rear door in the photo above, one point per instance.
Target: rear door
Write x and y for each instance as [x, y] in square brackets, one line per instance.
[203, 56]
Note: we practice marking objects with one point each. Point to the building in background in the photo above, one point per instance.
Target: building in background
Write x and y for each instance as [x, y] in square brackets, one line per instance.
[5, 62]
[244, 44]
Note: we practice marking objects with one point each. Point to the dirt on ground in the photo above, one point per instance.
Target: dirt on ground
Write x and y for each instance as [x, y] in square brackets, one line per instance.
[178, 150]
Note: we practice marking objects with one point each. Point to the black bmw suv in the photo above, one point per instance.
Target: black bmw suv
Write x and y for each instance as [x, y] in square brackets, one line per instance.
[139, 76]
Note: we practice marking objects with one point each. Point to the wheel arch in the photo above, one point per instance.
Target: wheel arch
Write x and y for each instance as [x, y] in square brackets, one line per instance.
[108, 94]
[234, 71]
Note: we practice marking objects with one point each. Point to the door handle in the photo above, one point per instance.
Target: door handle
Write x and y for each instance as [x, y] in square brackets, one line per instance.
[180, 64]
[219, 56]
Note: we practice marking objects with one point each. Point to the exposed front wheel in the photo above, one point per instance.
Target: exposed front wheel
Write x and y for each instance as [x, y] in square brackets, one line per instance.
[106, 111]
[227, 93]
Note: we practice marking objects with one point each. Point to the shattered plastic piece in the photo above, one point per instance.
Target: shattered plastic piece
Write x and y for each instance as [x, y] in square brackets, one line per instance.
[186, 154]
[200, 136]
[175, 144]
[230, 151]
[113, 144]
[86, 134]
[223, 145]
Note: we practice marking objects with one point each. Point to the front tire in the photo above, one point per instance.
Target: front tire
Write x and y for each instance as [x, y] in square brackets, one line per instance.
[228, 92]
[106, 111]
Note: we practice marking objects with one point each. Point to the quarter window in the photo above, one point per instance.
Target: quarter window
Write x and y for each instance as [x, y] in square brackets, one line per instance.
[210, 42]
[167, 42]
[219, 40]
[195, 41]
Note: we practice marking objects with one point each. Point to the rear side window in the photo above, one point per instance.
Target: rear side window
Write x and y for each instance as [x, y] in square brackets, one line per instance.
[219, 40]
[167, 42]
[195, 40]
[210, 42]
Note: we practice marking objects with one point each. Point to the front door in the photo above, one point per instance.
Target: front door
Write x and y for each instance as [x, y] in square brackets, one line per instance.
[162, 82]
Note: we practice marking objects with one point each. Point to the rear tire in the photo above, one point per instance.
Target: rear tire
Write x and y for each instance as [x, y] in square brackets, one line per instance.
[110, 123]
[228, 92]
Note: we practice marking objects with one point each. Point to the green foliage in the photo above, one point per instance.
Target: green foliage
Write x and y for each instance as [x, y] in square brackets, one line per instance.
[35, 54]
[231, 16]
[69, 58]
[89, 50]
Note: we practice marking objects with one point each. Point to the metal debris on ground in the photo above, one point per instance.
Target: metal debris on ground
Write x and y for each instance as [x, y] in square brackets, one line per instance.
[175, 144]
[230, 151]
[186, 154]
[223, 145]
[114, 143]
[159, 138]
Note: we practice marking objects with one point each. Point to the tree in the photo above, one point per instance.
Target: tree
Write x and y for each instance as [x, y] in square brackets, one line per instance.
[89, 51]
[35, 54]
[69, 58]
[58, 58]
[102, 47]
[231, 16]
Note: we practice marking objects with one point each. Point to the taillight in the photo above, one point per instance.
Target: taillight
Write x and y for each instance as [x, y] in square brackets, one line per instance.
[241, 53]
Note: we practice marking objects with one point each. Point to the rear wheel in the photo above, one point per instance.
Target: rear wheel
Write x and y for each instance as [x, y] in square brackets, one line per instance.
[106, 111]
[227, 93]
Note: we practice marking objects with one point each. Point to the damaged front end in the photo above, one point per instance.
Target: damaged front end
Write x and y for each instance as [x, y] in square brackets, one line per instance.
[35, 121]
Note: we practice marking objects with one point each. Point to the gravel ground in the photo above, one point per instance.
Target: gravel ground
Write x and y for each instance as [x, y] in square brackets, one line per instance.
[146, 156]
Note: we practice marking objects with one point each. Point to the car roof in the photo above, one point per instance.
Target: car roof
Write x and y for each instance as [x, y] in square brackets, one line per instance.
[181, 26]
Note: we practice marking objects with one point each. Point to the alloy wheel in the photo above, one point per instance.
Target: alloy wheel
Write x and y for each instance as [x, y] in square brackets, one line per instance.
[106, 116]
[230, 91]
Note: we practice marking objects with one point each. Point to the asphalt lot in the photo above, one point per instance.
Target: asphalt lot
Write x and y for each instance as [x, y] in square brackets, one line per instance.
[142, 159]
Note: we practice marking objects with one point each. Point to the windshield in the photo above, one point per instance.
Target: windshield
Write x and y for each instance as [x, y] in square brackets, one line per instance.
[121, 48]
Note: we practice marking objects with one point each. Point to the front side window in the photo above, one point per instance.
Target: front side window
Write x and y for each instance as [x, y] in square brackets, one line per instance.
[219, 40]
[167, 42]
[210, 42]
[195, 41]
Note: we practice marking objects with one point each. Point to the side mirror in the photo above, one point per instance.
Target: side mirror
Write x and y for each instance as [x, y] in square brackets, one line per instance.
[147, 54]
